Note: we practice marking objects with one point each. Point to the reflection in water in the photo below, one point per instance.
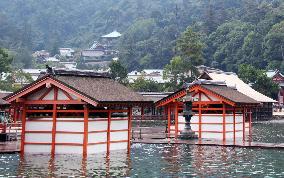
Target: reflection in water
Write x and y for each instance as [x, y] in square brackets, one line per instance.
[149, 160]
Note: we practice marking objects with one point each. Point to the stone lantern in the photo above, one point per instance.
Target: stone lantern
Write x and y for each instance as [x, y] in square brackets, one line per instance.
[187, 132]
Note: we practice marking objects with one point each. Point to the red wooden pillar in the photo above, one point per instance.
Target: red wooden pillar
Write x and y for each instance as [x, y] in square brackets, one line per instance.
[108, 131]
[23, 136]
[224, 122]
[15, 113]
[169, 120]
[176, 120]
[129, 128]
[199, 121]
[86, 123]
[54, 115]
[244, 123]
[142, 112]
[234, 123]
[250, 121]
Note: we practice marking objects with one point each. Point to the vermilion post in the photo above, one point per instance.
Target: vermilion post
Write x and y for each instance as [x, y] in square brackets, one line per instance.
[129, 128]
[244, 123]
[199, 121]
[234, 120]
[85, 139]
[176, 119]
[23, 130]
[108, 131]
[250, 122]
[169, 120]
[54, 115]
[224, 122]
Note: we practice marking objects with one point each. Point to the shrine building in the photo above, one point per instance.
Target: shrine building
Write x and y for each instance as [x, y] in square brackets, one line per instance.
[75, 112]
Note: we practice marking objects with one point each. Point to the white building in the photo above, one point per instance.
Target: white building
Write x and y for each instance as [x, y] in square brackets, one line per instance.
[148, 74]
[66, 52]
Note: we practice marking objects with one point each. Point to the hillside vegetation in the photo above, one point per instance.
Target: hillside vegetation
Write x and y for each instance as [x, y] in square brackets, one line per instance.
[233, 32]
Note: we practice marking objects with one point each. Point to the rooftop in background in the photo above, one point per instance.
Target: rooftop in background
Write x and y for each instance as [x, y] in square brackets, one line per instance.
[155, 96]
[114, 34]
[2, 95]
[148, 74]
[232, 80]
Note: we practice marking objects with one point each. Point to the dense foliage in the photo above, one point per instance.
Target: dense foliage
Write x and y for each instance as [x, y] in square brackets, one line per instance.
[258, 80]
[233, 31]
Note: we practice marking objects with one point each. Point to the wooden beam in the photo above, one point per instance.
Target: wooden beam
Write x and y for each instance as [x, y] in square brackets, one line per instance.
[67, 95]
[39, 102]
[234, 122]
[169, 120]
[224, 122]
[176, 120]
[23, 136]
[129, 129]
[85, 139]
[108, 132]
[46, 93]
[54, 116]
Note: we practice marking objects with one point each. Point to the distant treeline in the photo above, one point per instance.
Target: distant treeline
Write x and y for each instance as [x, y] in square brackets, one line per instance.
[234, 32]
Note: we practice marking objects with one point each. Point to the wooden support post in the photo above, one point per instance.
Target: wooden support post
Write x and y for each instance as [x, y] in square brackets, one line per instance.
[23, 136]
[199, 121]
[129, 128]
[234, 120]
[169, 120]
[108, 132]
[86, 122]
[176, 120]
[142, 112]
[224, 122]
[244, 123]
[15, 113]
[54, 115]
[250, 123]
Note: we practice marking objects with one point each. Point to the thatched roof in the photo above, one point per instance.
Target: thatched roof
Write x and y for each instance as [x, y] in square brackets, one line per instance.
[230, 94]
[2, 95]
[98, 87]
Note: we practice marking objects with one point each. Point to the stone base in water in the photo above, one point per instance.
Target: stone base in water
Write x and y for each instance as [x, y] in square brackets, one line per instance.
[187, 135]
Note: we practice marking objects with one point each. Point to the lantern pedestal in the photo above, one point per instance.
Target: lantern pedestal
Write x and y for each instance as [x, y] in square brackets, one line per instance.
[187, 133]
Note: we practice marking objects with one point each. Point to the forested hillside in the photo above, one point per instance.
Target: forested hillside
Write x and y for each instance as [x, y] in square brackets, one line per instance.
[233, 32]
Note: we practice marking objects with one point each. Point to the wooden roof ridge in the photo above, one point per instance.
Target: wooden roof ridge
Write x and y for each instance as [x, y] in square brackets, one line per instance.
[224, 92]
[93, 89]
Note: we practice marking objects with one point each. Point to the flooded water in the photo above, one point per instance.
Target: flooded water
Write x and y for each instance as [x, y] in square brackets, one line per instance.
[157, 160]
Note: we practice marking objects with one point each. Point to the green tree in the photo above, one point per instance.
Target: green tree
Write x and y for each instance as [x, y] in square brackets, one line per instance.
[274, 46]
[118, 72]
[5, 61]
[258, 80]
[145, 85]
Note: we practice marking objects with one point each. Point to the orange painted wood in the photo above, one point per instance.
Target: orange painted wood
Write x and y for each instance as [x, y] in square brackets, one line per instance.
[199, 121]
[176, 120]
[98, 131]
[54, 115]
[129, 128]
[244, 124]
[224, 122]
[23, 130]
[40, 102]
[45, 93]
[108, 131]
[250, 121]
[234, 119]
[85, 139]
[122, 130]
[43, 82]
[67, 95]
[169, 120]
[70, 111]
[39, 111]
